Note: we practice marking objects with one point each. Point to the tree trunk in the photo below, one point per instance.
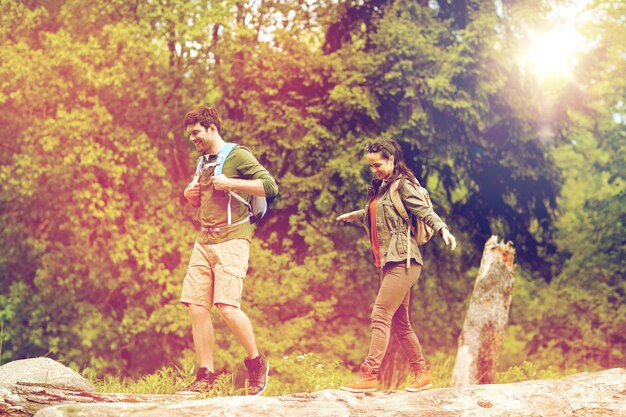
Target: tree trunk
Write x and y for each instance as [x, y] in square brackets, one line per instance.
[480, 341]
[393, 369]
[25, 399]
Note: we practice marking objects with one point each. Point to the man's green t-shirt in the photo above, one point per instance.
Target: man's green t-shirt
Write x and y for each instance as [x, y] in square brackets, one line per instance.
[214, 203]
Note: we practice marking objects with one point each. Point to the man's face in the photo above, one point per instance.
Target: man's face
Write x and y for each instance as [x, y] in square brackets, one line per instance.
[200, 136]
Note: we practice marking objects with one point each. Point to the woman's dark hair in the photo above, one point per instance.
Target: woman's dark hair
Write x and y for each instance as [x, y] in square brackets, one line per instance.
[387, 148]
[206, 116]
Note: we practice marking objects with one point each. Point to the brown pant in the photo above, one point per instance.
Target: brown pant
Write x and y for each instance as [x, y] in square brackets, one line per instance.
[391, 315]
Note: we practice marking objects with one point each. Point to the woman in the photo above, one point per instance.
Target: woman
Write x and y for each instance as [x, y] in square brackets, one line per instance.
[388, 235]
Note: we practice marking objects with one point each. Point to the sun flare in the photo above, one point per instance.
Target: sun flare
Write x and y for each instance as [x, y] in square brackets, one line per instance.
[553, 53]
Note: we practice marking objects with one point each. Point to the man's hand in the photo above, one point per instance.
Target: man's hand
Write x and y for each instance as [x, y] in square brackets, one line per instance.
[448, 238]
[192, 193]
[221, 182]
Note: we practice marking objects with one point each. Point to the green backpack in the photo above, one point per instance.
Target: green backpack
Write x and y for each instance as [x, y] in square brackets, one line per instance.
[420, 229]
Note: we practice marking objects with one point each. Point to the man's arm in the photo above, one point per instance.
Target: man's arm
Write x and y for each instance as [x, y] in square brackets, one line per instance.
[253, 179]
[251, 187]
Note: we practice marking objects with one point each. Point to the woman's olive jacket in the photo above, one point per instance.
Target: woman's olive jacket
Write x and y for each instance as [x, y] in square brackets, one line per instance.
[392, 229]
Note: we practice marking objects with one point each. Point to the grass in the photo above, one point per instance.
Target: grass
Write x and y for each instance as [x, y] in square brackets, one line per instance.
[298, 373]
[164, 381]
[529, 371]
[291, 374]
[305, 373]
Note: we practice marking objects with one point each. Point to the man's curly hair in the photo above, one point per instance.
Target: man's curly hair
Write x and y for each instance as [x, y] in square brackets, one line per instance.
[206, 116]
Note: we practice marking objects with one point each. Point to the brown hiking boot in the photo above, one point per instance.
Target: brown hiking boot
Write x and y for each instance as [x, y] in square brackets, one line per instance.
[365, 381]
[421, 380]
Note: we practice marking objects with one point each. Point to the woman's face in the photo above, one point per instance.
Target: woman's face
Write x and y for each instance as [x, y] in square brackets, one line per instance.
[382, 168]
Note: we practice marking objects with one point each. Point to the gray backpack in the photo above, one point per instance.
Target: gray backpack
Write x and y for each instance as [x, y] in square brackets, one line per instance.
[257, 205]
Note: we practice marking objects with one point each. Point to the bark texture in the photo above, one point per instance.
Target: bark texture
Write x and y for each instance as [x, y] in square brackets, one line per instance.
[43, 371]
[26, 399]
[395, 366]
[480, 341]
[597, 394]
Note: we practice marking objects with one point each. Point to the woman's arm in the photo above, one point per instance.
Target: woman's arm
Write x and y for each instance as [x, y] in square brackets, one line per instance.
[419, 207]
[351, 216]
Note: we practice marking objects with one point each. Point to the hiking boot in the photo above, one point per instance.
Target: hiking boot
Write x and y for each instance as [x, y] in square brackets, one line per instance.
[421, 380]
[258, 368]
[203, 383]
[365, 381]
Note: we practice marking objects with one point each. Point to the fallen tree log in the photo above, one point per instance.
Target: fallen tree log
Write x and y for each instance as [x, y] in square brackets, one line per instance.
[25, 399]
[583, 395]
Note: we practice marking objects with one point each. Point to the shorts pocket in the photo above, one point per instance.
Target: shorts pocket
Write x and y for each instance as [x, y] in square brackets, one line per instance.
[238, 271]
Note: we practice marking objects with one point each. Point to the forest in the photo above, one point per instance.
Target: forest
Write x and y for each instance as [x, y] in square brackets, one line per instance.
[512, 113]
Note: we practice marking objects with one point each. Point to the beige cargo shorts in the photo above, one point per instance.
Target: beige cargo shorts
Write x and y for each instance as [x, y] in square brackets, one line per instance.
[215, 274]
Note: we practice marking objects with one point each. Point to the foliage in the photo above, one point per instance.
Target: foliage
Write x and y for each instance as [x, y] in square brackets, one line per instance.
[90, 208]
[305, 373]
[96, 234]
[580, 320]
[529, 371]
[302, 373]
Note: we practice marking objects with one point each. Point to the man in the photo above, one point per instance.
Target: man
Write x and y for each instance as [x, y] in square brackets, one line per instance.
[219, 260]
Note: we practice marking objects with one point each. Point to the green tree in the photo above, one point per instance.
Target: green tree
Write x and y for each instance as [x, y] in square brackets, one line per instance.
[87, 205]
[580, 319]
[97, 234]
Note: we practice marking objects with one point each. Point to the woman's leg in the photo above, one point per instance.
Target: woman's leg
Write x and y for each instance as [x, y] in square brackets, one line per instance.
[396, 284]
[402, 330]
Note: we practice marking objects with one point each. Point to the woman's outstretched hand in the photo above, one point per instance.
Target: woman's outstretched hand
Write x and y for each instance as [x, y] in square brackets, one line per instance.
[351, 217]
[448, 238]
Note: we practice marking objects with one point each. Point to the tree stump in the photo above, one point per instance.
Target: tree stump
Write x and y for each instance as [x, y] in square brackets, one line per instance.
[394, 368]
[480, 341]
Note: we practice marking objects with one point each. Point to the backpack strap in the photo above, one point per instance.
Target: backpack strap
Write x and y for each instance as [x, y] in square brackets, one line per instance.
[256, 208]
[397, 204]
[243, 201]
[397, 201]
[260, 204]
[222, 155]
[221, 158]
[199, 169]
[199, 166]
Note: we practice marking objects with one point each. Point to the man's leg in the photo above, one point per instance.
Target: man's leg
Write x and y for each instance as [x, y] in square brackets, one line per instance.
[241, 327]
[258, 368]
[203, 335]
[197, 295]
[230, 272]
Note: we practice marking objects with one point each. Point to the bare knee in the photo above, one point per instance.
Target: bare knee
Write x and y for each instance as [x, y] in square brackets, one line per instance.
[197, 310]
[227, 313]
